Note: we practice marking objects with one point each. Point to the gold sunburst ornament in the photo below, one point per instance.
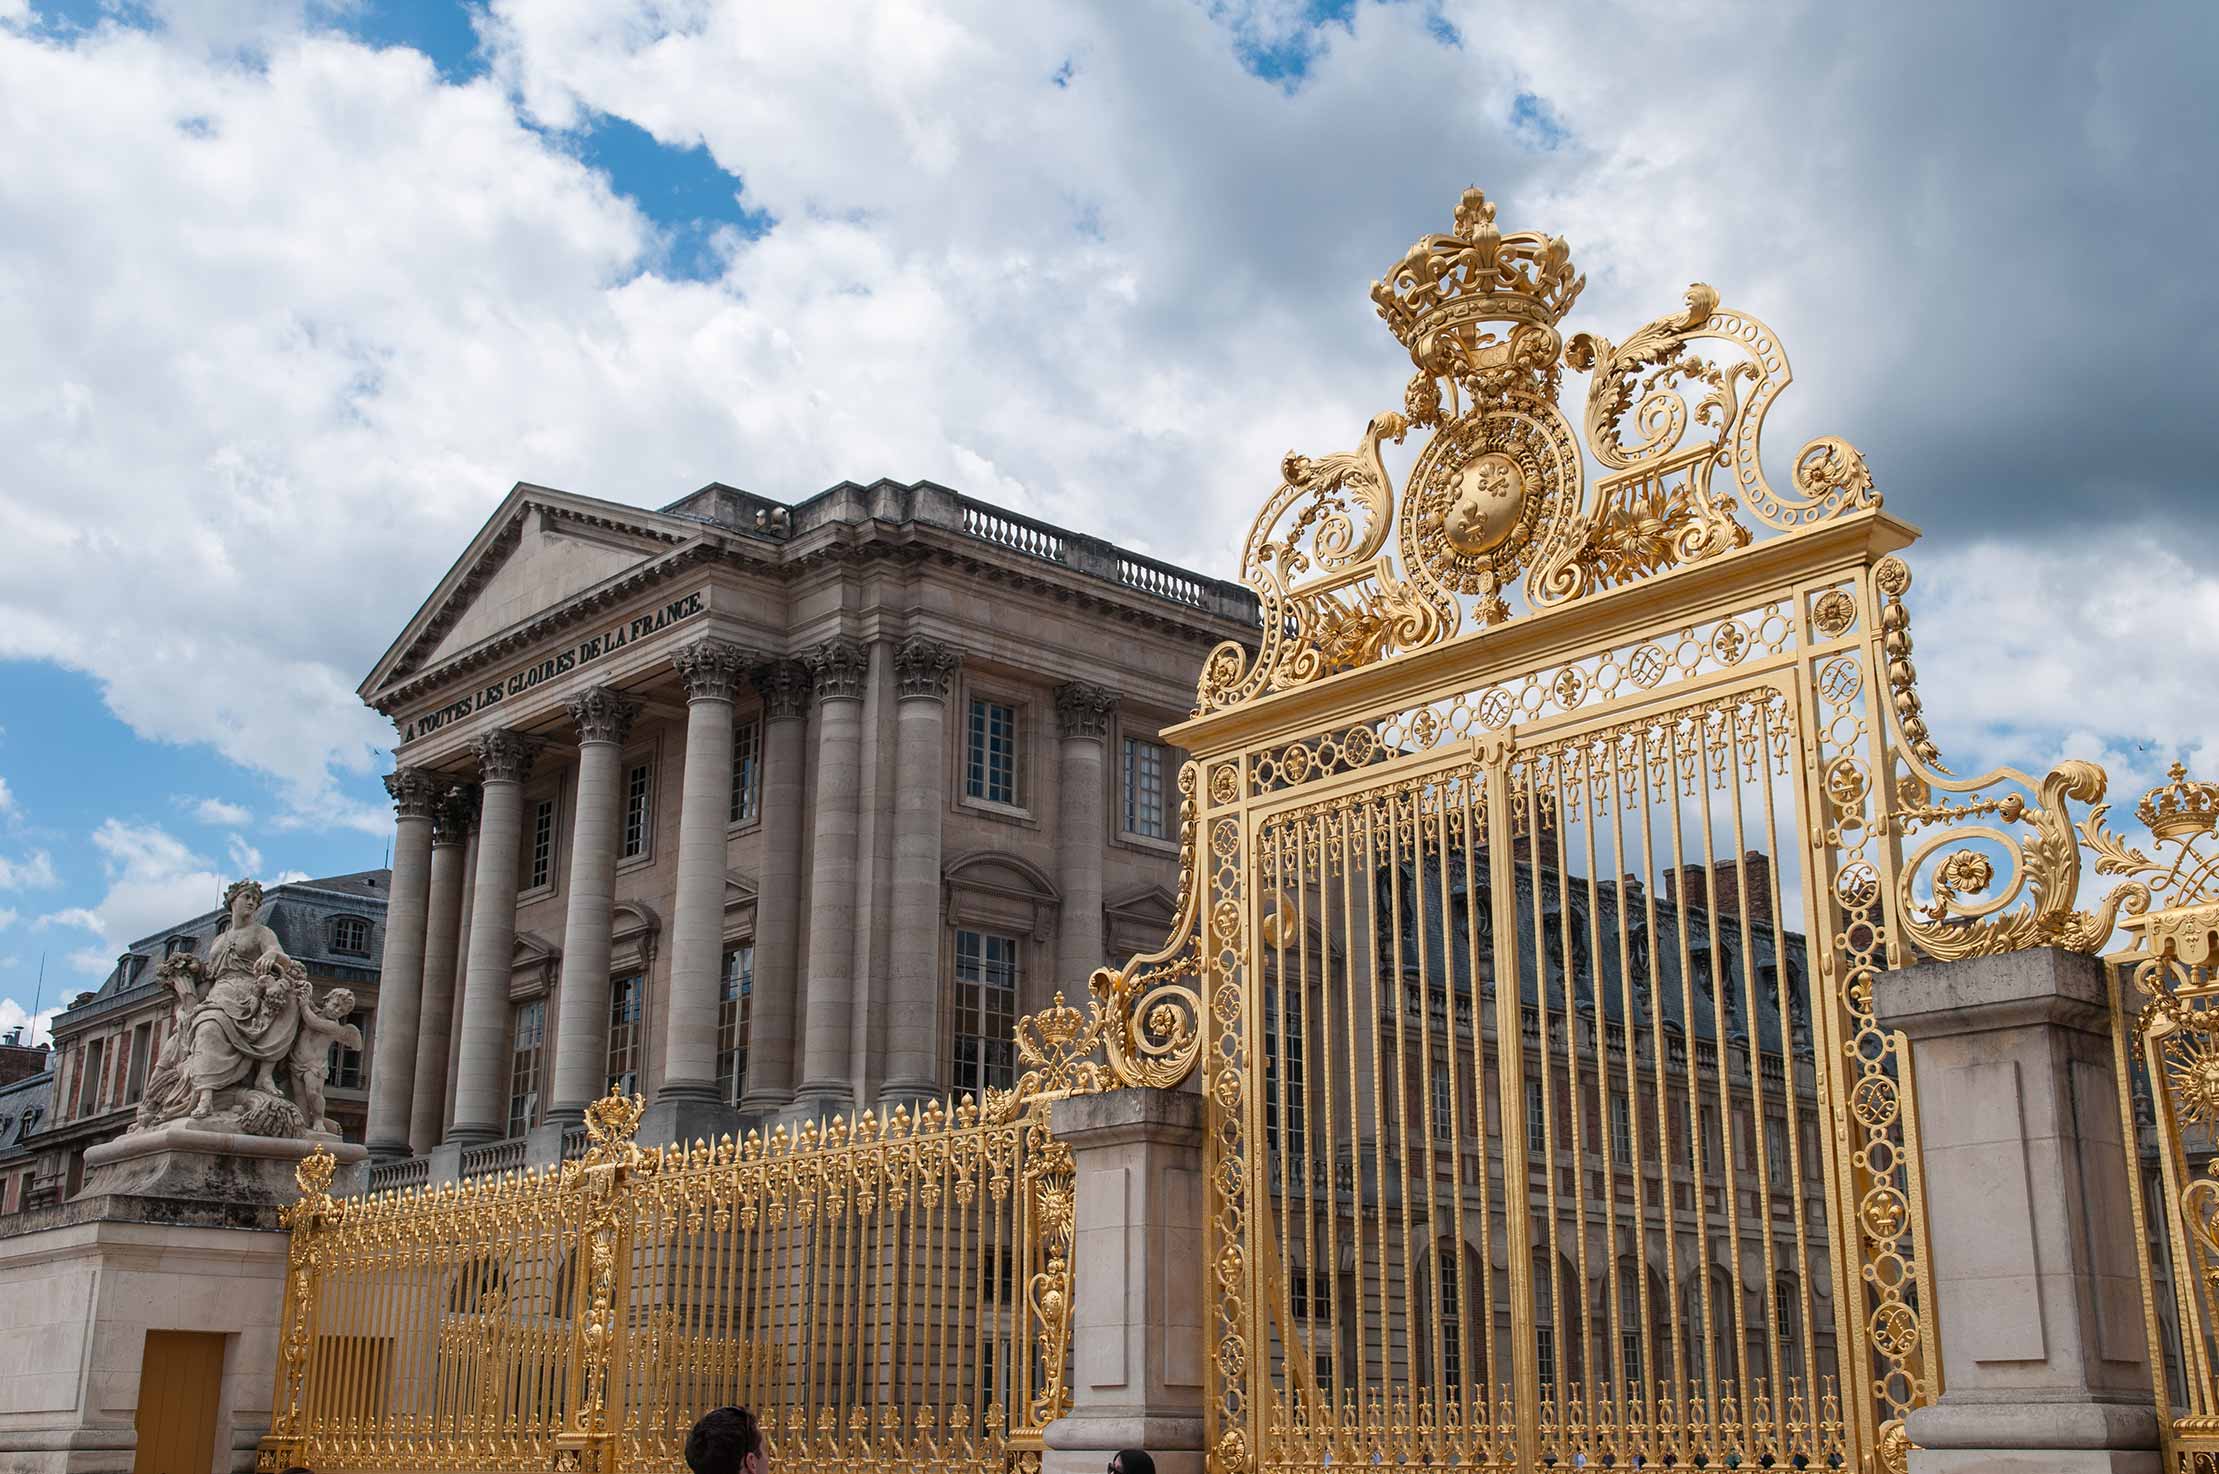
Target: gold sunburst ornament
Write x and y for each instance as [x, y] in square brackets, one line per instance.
[2192, 1071]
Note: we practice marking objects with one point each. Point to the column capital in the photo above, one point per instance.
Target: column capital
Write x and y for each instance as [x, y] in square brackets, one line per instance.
[840, 665]
[603, 714]
[415, 791]
[924, 668]
[504, 756]
[1084, 710]
[453, 813]
[784, 687]
[712, 669]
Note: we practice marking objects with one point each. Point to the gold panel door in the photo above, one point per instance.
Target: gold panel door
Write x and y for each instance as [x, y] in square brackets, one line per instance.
[180, 1382]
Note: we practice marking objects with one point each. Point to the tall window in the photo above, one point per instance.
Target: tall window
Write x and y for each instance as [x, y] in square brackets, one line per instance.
[142, 1046]
[350, 936]
[344, 1065]
[527, 1063]
[986, 970]
[734, 999]
[1537, 1140]
[1544, 1353]
[91, 1061]
[1452, 1324]
[747, 772]
[1621, 1131]
[1145, 810]
[626, 996]
[543, 843]
[638, 790]
[1776, 1149]
[991, 765]
[1444, 1099]
[1284, 1089]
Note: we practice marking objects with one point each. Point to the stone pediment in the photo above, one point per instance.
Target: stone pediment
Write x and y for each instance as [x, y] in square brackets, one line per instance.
[540, 549]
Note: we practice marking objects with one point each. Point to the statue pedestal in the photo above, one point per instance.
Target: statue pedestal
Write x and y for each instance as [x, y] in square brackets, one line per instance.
[163, 1280]
[184, 1163]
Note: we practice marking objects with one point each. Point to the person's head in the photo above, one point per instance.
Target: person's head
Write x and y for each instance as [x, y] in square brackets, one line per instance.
[726, 1441]
[242, 900]
[1131, 1461]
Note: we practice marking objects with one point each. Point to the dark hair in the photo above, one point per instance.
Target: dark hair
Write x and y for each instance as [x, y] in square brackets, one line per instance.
[723, 1439]
[1135, 1461]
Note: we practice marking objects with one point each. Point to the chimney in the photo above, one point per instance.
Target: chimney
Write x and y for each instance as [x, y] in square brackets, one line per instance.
[1691, 885]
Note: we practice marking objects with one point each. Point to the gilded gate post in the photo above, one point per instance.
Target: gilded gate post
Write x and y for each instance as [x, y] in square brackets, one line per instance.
[283, 1447]
[587, 1443]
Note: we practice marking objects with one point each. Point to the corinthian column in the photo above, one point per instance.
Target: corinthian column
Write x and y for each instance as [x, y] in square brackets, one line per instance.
[923, 670]
[451, 820]
[827, 1079]
[1082, 830]
[604, 718]
[773, 1035]
[401, 973]
[686, 1104]
[481, 1114]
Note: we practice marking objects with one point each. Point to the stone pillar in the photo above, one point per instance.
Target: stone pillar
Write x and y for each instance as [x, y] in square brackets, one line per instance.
[2032, 1257]
[828, 1072]
[686, 1104]
[401, 972]
[773, 1027]
[451, 820]
[481, 1112]
[923, 670]
[604, 719]
[1137, 1281]
[1082, 830]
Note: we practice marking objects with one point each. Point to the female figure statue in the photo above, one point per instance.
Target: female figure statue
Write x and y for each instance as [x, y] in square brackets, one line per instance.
[247, 1020]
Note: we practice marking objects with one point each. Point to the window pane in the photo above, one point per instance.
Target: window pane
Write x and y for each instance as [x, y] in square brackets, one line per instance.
[625, 1001]
[1145, 810]
[990, 762]
[543, 842]
[528, 1036]
[986, 985]
[635, 810]
[735, 997]
[747, 774]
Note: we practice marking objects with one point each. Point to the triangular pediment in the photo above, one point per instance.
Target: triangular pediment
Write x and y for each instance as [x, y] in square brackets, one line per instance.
[538, 550]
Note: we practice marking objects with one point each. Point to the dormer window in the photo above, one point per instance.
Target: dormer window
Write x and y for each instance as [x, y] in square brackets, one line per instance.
[175, 945]
[350, 936]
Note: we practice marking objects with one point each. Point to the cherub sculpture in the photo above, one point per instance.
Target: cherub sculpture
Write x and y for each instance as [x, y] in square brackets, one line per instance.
[321, 1026]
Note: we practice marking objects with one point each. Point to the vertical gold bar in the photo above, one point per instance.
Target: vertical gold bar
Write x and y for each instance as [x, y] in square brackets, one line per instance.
[1682, 738]
[1606, 1145]
[1517, 1182]
[1430, 1308]
[1398, 992]
[1547, 1235]
[1461, 784]
[1706, 769]
[1473, 815]
[1614, 749]
[1371, 1026]
[1353, 1030]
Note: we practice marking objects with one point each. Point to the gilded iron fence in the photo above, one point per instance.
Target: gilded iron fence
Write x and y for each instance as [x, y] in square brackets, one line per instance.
[885, 1294]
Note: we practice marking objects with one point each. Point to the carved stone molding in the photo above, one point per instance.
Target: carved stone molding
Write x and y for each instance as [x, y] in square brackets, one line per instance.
[414, 791]
[924, 668]
[840, 665]
[1083, 710]
[602, 714]
[712, 669]
[454, 814]
[784, 686]
[505, 756]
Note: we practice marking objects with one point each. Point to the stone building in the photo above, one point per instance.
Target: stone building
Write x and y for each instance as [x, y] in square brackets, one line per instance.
[764, 810]
[107, 1041]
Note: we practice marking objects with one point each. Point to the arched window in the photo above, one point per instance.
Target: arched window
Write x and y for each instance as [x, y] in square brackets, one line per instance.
[350, 936]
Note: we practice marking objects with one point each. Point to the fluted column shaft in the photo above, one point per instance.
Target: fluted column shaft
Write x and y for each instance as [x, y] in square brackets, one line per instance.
[450, 833]
[401, 972]
[773, 1024]
[712, 671]
[481, 1112]
[827, 1077]
[604, 719]
[1082, 830]
[923, 671]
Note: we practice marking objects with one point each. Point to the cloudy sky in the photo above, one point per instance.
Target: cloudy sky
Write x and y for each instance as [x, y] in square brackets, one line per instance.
[290, 294]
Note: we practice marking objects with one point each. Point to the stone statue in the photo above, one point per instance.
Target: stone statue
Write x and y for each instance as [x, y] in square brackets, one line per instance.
[239, 1014]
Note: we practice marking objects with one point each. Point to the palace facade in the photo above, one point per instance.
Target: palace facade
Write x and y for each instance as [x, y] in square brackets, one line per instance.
[107, 1042]
[763, 811]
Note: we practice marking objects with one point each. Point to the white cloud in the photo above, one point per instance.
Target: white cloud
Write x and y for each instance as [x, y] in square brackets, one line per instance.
[8, 804]
[34, 871]
[77, 916]
[38, 1030]
[8, 917]
[245, 858]
[217, 811]
[377, 299]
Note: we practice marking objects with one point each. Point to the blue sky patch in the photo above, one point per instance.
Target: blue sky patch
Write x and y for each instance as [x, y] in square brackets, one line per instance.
[441, 30]
[682, 190]
[1535, 124]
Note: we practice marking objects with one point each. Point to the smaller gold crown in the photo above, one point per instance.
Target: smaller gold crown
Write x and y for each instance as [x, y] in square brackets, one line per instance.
[1446, 283]
[2180, 809]
[1058, 1024]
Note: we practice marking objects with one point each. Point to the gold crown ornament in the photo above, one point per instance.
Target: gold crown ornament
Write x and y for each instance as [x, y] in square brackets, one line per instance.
[1446, 287]
[2180, 809]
